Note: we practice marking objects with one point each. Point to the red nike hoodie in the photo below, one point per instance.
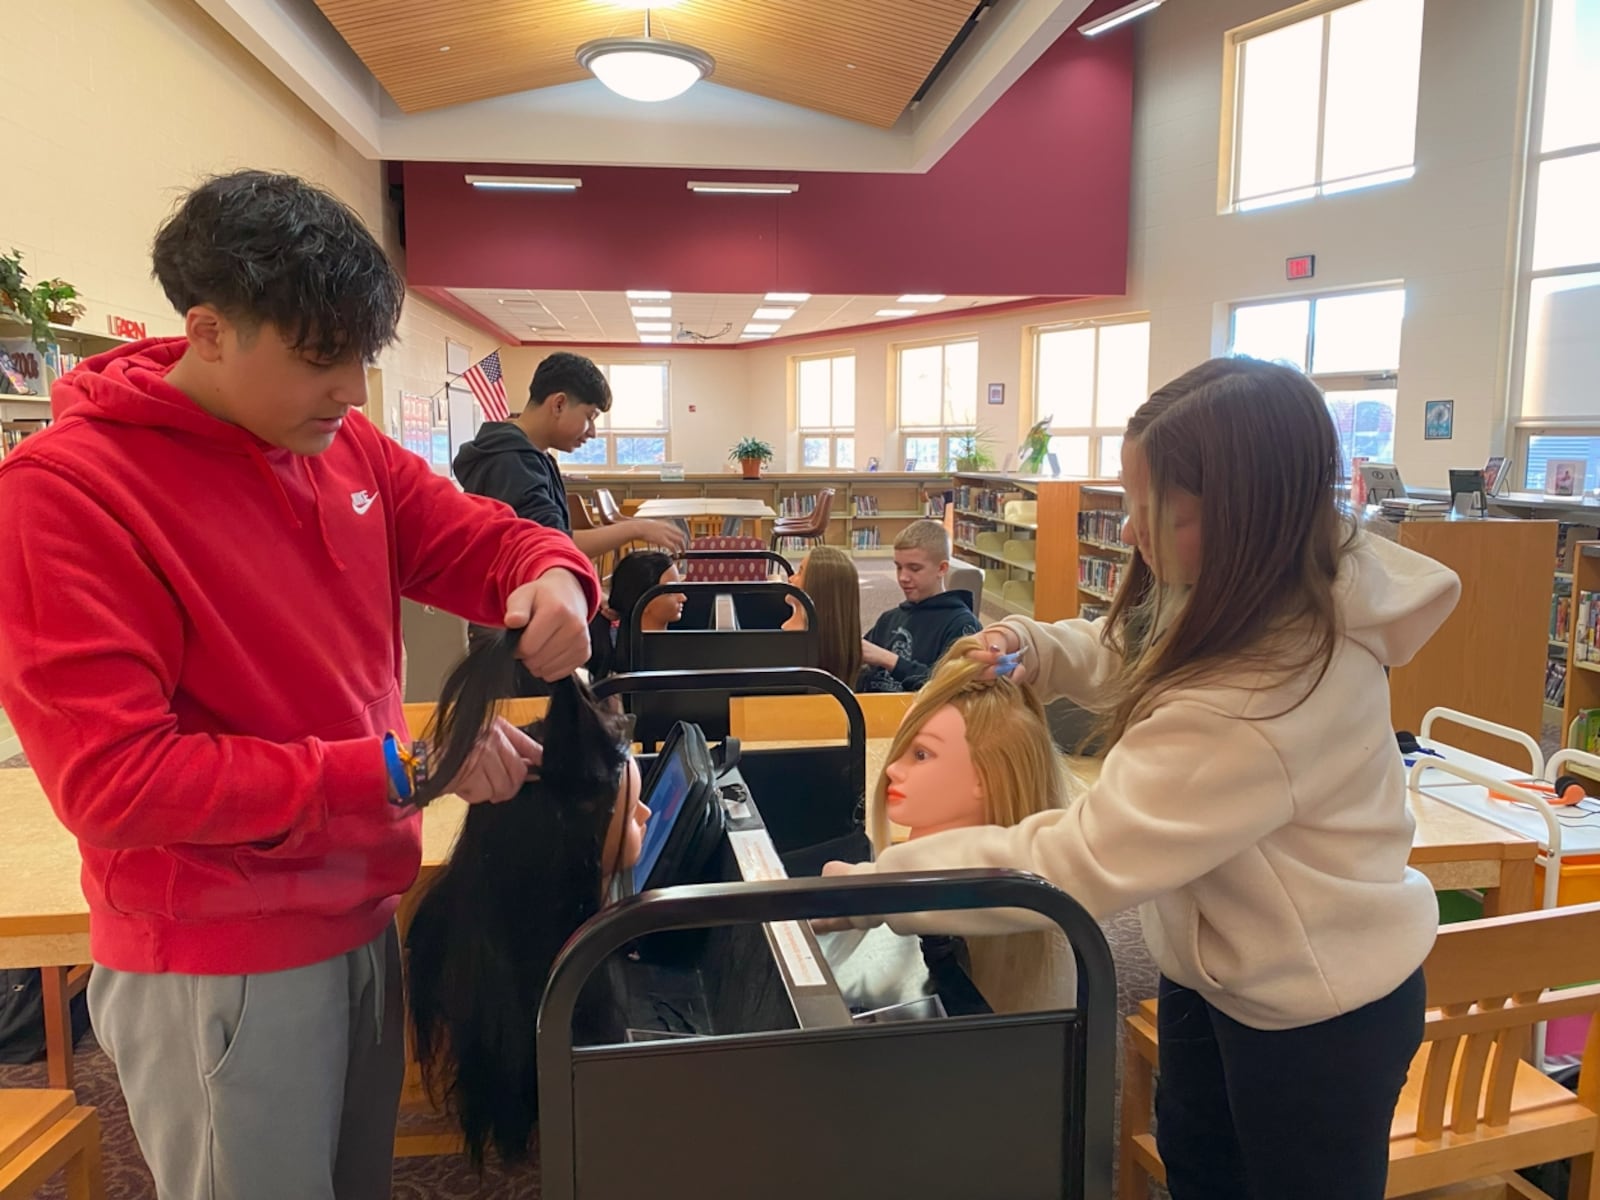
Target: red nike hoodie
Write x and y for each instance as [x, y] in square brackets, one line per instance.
[199, 649]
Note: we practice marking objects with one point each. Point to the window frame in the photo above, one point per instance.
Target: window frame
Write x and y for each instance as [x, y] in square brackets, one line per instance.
[833, 432]
[943, 432]
[1523, 427]
[1231, 137]
[1333, 381]
[606, 433]
[1097, 433]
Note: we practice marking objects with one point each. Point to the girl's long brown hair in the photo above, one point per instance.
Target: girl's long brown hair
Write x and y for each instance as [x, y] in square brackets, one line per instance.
[1254, 442]
[835, 590]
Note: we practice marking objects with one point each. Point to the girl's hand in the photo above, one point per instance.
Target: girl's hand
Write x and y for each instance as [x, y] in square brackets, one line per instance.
[998, 640]
[505, 759]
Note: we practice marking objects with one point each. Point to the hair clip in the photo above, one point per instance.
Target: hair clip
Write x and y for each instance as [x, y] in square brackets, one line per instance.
[1007, 663]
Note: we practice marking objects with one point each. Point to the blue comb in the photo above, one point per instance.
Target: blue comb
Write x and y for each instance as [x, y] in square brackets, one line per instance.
[1006, 664]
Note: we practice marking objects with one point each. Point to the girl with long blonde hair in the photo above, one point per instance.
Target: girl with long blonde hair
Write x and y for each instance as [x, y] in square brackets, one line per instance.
[828, 575]
[976, 750]
[1252, 801]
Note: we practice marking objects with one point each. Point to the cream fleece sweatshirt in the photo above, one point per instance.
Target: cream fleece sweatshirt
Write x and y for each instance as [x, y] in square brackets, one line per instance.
[1268, 855]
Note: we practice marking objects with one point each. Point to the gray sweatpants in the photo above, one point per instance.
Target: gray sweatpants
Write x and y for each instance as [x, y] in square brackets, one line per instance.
[261, 1087]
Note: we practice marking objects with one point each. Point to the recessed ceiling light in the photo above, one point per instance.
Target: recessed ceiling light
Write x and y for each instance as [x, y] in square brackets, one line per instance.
[651, 310]
[920, 298]
[896, 312]
[754, 328]
[655, 339]
[444, 49]
[523, 183]
[653, 326]
[754, 337]
[787, 297]
[731, 187]
[773, 314]
[649, 295]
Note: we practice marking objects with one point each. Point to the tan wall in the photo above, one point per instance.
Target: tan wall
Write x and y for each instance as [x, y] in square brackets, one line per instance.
[144, 97]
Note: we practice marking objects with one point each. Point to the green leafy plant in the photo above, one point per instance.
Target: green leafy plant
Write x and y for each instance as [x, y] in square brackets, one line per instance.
[1035, 446]
[972, 450]
[59, 300]
[13, 281]
[749, 448]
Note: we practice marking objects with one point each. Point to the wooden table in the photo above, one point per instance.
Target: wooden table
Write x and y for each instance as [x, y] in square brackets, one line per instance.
[699, 510]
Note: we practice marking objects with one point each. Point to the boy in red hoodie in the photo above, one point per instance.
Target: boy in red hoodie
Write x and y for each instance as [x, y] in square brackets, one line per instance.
[200, 583]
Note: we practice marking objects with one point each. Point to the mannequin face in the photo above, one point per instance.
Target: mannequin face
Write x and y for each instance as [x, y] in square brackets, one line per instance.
[665, 608]
[628, 819]
[934, 785]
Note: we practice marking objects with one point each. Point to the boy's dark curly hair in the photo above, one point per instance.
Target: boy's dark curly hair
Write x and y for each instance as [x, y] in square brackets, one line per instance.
[273, 249]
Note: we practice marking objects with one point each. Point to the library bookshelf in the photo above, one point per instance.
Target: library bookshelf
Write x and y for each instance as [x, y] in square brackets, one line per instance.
[869, 507]
[1049, 548]
[21, 415]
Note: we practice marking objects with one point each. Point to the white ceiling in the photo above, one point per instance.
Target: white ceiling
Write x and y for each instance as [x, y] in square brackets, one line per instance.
[583, 123]
[720, 318]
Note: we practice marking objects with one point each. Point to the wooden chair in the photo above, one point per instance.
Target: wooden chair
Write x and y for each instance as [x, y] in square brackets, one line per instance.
[1473, 1111]
[813, 527]
[45, 1131]
[59, 986]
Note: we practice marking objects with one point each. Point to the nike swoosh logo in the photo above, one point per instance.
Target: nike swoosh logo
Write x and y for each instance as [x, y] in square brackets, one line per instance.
[361, 501]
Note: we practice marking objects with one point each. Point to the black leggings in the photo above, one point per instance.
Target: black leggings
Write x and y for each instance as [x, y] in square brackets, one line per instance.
[1290, 1114]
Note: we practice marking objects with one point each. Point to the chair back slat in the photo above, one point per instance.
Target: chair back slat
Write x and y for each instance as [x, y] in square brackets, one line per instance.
[1510, 1049]
[1473, 1062]
[1437, 1071]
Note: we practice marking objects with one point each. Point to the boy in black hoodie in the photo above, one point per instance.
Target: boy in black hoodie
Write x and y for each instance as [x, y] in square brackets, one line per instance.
[900, 650]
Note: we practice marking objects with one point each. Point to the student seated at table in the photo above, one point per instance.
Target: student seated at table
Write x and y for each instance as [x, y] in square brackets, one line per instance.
[635, 575]
[828, 576]
[905, 642]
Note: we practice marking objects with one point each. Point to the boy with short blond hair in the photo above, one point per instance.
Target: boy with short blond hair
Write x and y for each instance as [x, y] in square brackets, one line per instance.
[904, 643]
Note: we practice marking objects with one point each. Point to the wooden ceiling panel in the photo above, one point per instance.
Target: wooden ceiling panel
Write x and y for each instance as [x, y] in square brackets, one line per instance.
[859, 59]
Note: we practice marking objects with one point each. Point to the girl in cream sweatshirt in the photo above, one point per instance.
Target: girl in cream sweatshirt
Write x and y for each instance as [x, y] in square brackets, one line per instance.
[1253, 801]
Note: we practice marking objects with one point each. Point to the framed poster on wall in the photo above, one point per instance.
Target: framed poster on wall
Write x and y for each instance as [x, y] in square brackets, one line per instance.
[416, 424]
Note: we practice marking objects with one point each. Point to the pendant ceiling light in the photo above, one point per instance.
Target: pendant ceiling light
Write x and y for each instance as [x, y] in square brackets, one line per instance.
[647, 68]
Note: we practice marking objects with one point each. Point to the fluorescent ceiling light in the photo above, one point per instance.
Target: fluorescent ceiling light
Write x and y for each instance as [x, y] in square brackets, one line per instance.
[655, 339]
[754, 337]
[653, 326]
[919, 298]
[895, 312]
[787, 297]
[523, 183]
[754, 328]
[1120, 17]
[648, 69]
[648, 311]
[729, 187]
[649, 295]
[773, 314]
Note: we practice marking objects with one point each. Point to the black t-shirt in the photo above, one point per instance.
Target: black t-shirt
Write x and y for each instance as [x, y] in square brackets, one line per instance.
[503, 464]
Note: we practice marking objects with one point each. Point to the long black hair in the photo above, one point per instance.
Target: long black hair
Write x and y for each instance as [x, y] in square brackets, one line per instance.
[635, 575]
[523, 876]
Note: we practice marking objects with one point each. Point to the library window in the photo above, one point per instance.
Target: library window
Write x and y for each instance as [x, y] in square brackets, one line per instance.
[635, 432]
[1558, 420]
[1323, 104]
[1088, 380]
[1349, 343]
[825, 404]
[938, 401]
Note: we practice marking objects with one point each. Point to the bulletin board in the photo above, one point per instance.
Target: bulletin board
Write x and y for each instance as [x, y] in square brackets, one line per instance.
[416, 424]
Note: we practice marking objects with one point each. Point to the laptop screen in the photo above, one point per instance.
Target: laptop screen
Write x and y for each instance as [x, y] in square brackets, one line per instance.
[669, 788]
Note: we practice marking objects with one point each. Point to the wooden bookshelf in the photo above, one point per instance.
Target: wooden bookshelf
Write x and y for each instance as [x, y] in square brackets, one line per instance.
[1023, 531]
[869, 507]
[1583, 657]
[22, 415]
[1489, 657]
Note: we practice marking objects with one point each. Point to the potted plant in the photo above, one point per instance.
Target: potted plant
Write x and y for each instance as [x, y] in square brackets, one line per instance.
[59, 301]
[971, 450]
[13, 282]
[751, 453]
[1035, 446]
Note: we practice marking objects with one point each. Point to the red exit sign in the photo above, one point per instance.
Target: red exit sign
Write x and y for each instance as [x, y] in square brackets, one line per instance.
[1303, 266]
[124, 328]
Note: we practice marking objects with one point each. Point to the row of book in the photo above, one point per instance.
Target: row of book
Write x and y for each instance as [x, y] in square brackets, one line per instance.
[797, 505]
[864, 539]
[1408, 508]
[1584, 645]
[1555, 682]
[1103, 525]
[1100, 574]
[968, 531]
[1560, 616]
[984, 500]
[866, 506]
[1586, 731]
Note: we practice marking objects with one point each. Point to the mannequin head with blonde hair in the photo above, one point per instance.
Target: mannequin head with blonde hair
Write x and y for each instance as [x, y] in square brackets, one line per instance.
[934, 779]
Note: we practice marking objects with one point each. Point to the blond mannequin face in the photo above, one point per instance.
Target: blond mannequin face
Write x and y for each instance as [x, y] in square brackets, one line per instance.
[934, 785]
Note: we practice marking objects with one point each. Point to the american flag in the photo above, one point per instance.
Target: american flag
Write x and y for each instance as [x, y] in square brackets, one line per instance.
[484, 380]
